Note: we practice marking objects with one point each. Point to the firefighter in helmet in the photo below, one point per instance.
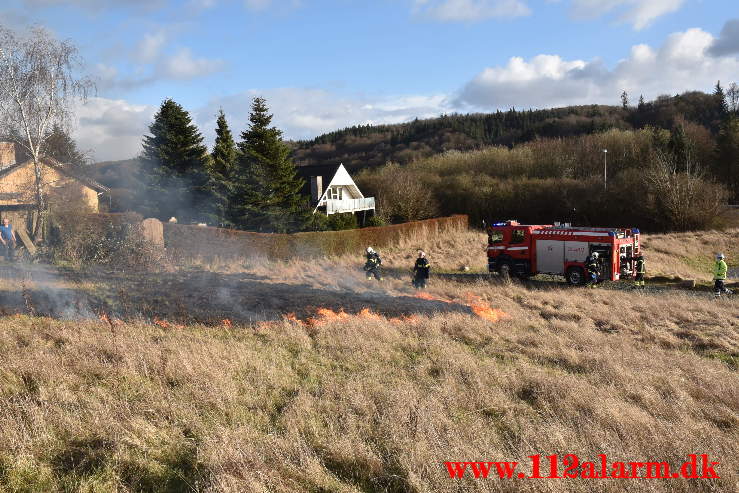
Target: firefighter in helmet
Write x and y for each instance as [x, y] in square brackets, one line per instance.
[720, 271]
[372, 266]
[421, 271]
[592, 264]
[641, 269]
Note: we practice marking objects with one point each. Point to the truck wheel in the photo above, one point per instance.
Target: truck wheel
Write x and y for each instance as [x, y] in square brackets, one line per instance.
[575, 276]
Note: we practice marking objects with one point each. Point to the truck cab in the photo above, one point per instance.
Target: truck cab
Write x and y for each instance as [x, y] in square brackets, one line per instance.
[509, 247]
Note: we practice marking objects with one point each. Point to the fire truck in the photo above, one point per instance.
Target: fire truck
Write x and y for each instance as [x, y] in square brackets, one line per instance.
[525, 250]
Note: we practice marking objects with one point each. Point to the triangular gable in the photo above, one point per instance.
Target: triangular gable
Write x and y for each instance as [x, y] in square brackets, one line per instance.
[341, 178]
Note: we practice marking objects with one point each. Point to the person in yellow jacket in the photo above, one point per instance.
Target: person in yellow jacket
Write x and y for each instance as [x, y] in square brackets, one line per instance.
[719, 276]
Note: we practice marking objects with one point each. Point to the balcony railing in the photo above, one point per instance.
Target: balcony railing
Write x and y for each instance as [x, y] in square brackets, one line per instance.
[349, 205]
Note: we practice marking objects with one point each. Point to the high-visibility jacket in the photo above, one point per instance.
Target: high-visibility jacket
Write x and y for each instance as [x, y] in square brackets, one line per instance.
[641, 267]
[720, 270]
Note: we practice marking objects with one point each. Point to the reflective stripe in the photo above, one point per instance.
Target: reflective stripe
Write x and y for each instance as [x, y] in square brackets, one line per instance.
[518, 248]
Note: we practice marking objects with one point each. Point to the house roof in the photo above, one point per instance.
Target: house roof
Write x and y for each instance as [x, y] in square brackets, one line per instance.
[62, 168]
[327, 171]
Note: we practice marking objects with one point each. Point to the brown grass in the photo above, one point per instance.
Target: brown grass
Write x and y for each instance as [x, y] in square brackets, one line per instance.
[364, 404]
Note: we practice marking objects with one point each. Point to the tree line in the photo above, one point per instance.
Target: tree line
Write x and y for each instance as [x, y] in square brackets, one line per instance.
[250, 184]
[712, 119]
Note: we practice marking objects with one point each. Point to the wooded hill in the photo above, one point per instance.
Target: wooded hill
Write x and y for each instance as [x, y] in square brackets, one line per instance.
[366, 146]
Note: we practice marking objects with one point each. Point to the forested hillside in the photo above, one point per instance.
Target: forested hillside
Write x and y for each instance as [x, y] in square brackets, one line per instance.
[368, 146]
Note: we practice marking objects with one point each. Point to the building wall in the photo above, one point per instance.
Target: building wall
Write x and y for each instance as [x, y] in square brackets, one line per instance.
[7, 154]
[18, 188]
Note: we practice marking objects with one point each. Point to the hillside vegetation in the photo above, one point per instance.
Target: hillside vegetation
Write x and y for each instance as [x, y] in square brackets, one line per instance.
[368, 146]
[371, 395]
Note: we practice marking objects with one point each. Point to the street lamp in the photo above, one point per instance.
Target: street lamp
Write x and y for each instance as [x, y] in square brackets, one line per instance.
[605, 169]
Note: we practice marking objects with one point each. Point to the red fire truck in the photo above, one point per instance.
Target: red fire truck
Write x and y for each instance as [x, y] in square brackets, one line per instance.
[525, 250]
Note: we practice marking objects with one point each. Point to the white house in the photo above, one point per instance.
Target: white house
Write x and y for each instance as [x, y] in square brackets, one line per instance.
[333, 191]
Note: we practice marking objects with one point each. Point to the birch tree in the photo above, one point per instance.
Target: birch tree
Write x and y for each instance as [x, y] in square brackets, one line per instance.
[39, 86]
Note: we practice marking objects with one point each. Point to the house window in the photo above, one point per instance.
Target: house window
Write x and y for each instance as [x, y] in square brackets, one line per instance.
[334, 193]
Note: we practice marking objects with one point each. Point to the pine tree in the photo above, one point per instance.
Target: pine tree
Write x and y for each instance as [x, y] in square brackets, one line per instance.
[221, 170]
[61, 147]
[268, 189]
[625, 100]
[175, 163]
[718, 94]
[641, 102]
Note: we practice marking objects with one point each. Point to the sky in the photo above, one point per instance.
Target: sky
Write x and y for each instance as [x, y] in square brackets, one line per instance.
[323, 65]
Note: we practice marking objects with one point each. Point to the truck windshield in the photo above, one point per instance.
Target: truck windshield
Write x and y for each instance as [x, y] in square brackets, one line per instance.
[518, 236]
[495, 236]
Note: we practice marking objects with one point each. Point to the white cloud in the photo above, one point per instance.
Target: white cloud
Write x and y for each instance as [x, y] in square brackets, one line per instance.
[182, 65]
[304, 113]
[149, 48]
[469, 10]
[112, 128]
[638, 13]
[682, 63]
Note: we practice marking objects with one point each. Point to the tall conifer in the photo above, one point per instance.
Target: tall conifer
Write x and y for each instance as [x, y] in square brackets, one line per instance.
[175, 163]
[221, 169]
[268, 189]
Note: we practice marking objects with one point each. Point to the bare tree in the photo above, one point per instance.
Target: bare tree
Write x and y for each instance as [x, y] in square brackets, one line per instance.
[685, 199]
[39, 84]
[732, 97]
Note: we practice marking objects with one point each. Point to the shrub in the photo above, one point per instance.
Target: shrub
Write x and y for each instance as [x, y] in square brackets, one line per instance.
[374, 222]
[339, 222]
[112, 240]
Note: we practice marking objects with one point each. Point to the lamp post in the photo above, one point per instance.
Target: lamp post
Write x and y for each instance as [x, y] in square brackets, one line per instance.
[605, 169]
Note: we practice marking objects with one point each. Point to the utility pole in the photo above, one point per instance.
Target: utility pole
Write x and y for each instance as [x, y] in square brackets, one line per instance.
[605, 169]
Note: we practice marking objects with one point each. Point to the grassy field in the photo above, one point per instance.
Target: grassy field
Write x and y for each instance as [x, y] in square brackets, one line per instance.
[303, 376]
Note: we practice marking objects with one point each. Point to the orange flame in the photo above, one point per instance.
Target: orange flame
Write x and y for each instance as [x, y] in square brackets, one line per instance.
[104, 317]
[227, 323]
[475, 303]
[166, 325]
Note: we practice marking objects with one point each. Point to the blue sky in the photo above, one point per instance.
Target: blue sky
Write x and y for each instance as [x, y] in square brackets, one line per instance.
[326, 64]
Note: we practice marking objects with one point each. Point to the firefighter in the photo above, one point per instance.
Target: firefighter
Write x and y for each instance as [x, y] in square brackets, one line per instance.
[372, 266]
[719, 276]
[421, 271]
[641, 269]
[592, 264]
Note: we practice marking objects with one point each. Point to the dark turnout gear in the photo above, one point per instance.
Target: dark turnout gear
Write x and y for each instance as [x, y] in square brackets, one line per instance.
[641, 270]
[372, 266]
[593, 266]
[421, 273]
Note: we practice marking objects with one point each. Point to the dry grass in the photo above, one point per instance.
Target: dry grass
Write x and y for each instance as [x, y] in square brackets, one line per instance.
[360, 404]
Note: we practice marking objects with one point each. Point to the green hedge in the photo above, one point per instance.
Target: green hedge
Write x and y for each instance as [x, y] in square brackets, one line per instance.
[199, 242]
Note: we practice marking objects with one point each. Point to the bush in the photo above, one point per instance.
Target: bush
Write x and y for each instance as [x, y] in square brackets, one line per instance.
[340, 222]
[374, 222]
[112, 240]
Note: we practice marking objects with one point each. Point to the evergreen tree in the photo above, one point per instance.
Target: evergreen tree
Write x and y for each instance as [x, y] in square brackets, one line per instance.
[60, 146]
[641, 102]
[175, 162]
[221, 169]
[267, 186]
[624, 100]
[718, 94]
